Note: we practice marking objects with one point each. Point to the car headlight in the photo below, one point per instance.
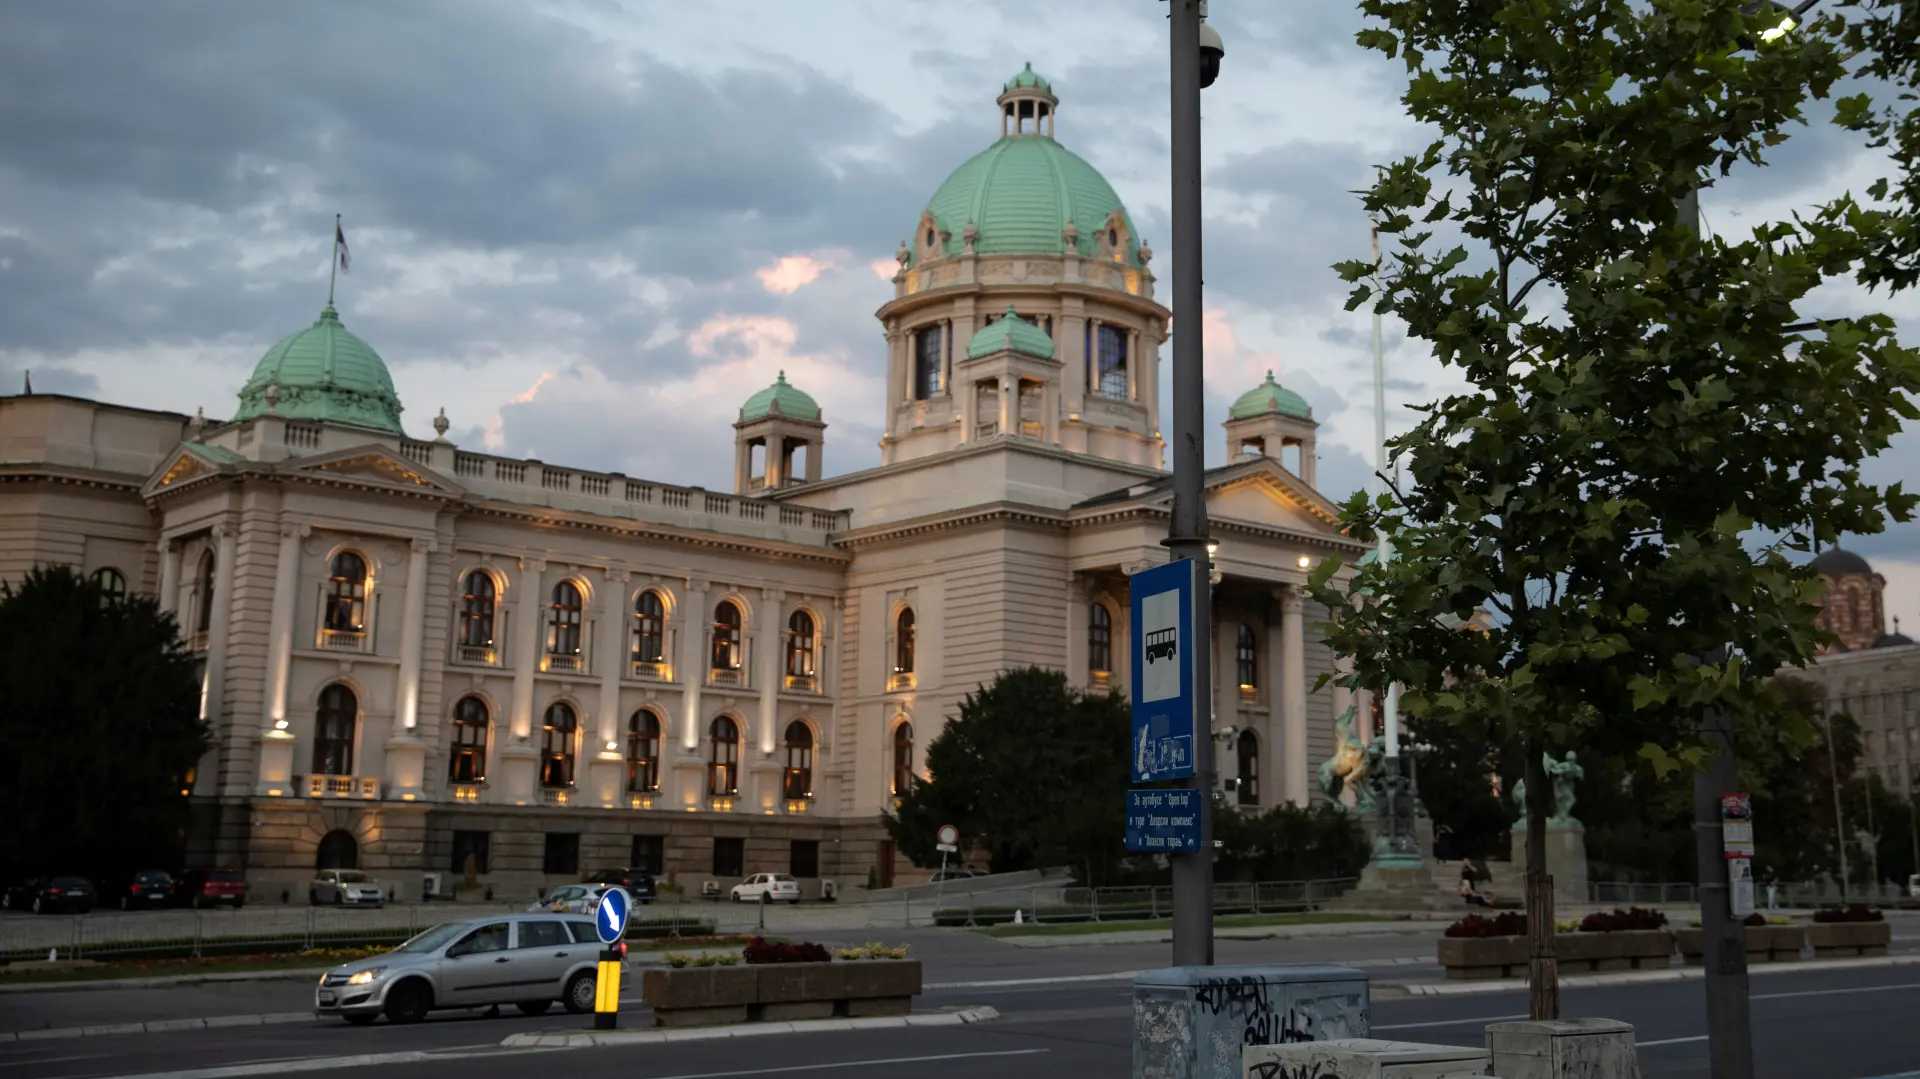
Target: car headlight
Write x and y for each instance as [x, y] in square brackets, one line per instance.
[365, 977]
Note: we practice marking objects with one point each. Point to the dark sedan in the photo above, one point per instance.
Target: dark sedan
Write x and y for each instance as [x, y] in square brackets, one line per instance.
[140, 890]
[638, 883]
[52, 895]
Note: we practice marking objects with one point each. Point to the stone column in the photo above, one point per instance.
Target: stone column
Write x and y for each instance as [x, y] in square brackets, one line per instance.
[1226, 680]
[969, 395]
[276, 741]
[610, 659]
[1070, 344]
[519, 757]
[1009, 404]
[1289, 695]
[226, 540]
[693, 660]
[767, 665]
[897, 388]
[170, 576]
[406, 753]
[1078, 671]
[776, 472]
[1134, 373]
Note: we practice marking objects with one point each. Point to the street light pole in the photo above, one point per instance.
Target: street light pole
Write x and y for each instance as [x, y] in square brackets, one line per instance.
[1187, 536]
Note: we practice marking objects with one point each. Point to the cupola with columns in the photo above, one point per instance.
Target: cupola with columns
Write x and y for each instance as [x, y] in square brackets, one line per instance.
[1024, 228]
[777, 439]
[1273, 421]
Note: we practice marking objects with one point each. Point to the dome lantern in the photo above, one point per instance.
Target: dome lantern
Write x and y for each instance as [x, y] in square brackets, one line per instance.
[1027, 105]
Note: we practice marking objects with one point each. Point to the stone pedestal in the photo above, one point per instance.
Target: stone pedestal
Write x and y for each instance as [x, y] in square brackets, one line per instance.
[276, 764]
[406, 766]
[1192, 1022]
[1363, 1058]
[1563, 1049]
[1566, 859]
[519, 770]
[606, 779]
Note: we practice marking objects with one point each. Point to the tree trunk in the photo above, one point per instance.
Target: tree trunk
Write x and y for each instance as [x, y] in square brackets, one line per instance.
[1543, 968]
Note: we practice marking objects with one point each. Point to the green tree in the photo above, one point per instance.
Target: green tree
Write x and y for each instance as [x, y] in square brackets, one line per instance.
[99, 726]
[1033, 771]
[1460, 785]
[1617, 440]
[1884, 36]
[1288, 843]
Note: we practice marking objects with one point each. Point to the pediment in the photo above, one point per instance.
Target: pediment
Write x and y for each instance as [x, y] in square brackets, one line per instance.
[189, 462]
[1258, 492]
[379, 466]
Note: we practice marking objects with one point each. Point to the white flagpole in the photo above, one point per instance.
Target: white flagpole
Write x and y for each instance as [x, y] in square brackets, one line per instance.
[1390, 708]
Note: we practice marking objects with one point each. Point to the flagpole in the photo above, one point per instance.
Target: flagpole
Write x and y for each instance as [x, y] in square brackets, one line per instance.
[1390, 706]
[333, 263]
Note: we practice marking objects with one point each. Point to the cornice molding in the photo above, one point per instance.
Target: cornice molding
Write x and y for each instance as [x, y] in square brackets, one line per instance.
[955, 521]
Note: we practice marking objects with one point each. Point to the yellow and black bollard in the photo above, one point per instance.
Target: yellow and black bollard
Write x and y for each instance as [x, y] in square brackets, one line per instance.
[606, 991]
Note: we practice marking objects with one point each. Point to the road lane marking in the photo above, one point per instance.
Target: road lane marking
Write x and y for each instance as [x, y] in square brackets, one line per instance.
[1670, 1041]
[1835, 992]
[1449, 1022]
[310, 1064]
[856, 1064]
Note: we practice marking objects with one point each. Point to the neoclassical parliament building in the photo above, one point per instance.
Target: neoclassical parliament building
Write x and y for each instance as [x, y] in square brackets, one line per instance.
[418, 655]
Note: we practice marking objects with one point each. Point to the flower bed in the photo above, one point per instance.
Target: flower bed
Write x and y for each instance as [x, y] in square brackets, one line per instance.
[1846, 932]
[1769, 940]
[1477, 947]
[781, 982]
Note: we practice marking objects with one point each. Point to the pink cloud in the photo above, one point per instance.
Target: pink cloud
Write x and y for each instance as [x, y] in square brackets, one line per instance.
[494, 435]
[1225, 356]
[884, 269]
[791, 273]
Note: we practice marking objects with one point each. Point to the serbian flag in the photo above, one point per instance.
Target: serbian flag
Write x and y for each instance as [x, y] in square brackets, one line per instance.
[340, 244]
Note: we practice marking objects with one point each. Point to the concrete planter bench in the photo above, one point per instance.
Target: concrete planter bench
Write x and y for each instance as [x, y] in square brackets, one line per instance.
[778, 992]
[1506, 957]
[1765, 943]
[1841, 940]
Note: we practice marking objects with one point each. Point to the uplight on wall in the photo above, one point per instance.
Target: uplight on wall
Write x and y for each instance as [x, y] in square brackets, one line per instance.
[1305, 562]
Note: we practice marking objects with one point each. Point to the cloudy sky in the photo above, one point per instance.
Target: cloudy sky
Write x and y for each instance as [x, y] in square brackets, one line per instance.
[589, 229]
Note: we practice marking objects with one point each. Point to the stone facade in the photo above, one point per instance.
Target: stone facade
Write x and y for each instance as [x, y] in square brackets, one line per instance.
[1873, 674]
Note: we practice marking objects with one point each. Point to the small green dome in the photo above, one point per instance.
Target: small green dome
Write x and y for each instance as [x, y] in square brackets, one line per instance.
[1028, 80]
[1267, 397]
[1020, 194]
[1012, 332]
[324, 373]
[783, 399]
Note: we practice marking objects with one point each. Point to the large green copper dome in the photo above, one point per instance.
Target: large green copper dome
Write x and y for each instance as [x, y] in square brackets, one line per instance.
[782, 398]
[1020, 193]
[324, 373]
[1267, 397]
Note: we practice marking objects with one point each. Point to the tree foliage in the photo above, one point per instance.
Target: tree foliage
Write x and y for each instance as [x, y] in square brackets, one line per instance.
[1458, 777]
[1884, 35]
[1033, 771]
[1288, 843]
[99, 726]
[1615, 444]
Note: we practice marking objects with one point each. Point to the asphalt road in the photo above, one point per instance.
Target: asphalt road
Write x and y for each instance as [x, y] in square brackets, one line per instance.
[1820, 1025]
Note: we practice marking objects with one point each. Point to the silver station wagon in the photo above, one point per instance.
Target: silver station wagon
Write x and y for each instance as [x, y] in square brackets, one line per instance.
[527, 960]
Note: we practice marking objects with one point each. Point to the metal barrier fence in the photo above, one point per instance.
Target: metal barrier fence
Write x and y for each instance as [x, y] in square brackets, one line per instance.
[1786, 893]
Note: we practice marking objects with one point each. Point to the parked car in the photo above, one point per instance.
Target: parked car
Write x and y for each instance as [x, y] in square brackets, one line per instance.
[569, 899]
[345, 888]
[777, 887]
[141, 889]
[199, 888]
[52, 895]
[958, 872]
[638, 882]
[528, 960]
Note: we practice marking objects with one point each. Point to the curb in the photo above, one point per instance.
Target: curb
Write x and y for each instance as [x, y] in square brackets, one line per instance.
[589, 1039]
[158, 1026]
[1642, 977]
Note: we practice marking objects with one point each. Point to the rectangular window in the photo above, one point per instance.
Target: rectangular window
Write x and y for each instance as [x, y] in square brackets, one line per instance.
[649, 854]
[543, 933]
[729, 858]
[926, 363]
[562, 854]
[1113, 362]
[805, 859]
[470, 844]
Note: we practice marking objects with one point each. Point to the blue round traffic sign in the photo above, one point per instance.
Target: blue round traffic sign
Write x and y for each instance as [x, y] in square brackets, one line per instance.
[610, 917]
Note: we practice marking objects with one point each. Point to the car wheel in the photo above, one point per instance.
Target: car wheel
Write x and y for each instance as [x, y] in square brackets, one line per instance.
[339, 899]
[313, 898]
[534, 1007]
[238, 903]
[581, 991]
[125, 903]
[408, 1002]
[795, 902]
[360, 1019]
[197, 904]
[39, 905]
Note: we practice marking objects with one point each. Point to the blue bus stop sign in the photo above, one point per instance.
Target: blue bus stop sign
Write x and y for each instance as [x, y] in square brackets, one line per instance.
[1163, 675]
[610, 917]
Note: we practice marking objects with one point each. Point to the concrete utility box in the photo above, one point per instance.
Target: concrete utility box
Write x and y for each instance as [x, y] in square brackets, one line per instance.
[1362, 1058]
[1193, 1022]
[1563, 1048]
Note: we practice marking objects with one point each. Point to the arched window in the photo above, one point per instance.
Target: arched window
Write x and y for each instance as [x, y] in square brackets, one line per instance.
[723, 774]
[112, 585]
[203, 614]
[903, 642]
[337, 850]
[800, 645]
[477, 595]
[470, 730]
[563, 620]
[902, 758]
[798, 781]
[333, 731]
[556, 746]
[726, 636]
[1247, 754]
[1246, 655]
[1099, 639]
[649, 628]
[347, 594]
[926, 363]
[643, 752]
